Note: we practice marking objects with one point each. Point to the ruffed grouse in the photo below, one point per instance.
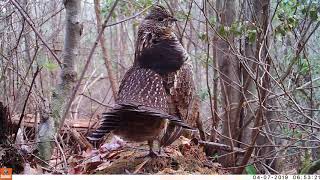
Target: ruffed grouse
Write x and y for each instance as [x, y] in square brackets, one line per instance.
[180, 87]
[142, 111]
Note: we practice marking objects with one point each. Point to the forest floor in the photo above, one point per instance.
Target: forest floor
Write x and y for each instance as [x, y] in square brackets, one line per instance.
[118, 157]
[76, 155]
[115, 156]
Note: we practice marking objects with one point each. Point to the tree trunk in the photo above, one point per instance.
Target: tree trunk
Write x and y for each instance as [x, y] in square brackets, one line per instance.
[4, 122]
[108, 64]
[229, 68]
[258, 13]
[261, 9]
[27, 37]
[50, 122]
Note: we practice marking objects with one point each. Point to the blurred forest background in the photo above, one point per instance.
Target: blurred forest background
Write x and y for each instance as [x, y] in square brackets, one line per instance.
[256, 65]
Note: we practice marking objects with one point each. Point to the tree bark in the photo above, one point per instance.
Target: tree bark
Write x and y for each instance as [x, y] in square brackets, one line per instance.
[107, 62]
[229, 68]
[262, 12]
[4, 121]
[257, 51]
[51, 119]
[312, 168]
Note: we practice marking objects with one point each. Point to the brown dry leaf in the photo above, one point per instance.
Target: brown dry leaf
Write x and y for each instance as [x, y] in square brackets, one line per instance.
[127, 154]
[76, 170]
[184, 140]
[29, 170]
[114, 154]
[172, 152]
[105, 154]
[217, 165]
[90, 166]
[90, 153]
[138, 168]
[169, 171]
[104, 166]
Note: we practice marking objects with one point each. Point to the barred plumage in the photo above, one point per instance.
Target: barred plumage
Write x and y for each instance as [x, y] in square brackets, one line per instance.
[142, 108]
[179, 84]
[183, 101]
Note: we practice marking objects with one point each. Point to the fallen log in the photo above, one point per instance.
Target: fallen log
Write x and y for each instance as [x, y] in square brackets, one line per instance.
[219, 146]
[79, 124]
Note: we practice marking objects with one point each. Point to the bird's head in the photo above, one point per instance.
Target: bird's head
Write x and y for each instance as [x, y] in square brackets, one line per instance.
[159, 19]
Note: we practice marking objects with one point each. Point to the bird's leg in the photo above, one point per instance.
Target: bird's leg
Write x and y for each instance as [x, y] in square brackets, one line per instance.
[160, 152]
[160, 149]
[151, 152]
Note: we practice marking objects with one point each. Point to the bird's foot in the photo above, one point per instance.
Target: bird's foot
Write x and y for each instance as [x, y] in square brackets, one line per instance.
[153, 154]
[161, 153]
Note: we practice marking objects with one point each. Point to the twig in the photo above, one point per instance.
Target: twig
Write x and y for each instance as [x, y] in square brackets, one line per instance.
[35, 31]
[25, 102]
[141, 165]
[296, 123]
[102, 104]
[85, 87]
[207, 72]
[88, 129]
[63, 155]
[185, 24]
[129, 18]
[83, 142]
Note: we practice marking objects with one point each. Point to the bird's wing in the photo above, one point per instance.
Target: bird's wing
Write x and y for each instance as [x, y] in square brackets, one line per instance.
[183, 101]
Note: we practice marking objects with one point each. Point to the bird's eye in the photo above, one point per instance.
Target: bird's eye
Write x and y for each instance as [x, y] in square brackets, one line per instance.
[160, 18]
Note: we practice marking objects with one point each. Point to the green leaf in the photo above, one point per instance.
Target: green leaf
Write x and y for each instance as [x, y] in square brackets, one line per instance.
[281, 16]
[314, 14]
[280, 30]
[304, 67]
[222, 31]
[50, 66]
[252, 35]
[236, 29]
[106, 7]
[251, 170]
[203, 94]
[212, 20]
[304, 10]
[145, 3]
[203, 36]
[180, 15]
[135, 24]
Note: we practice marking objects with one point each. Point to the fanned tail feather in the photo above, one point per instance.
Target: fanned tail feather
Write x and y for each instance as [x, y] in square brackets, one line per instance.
[109, 123]
[169, 138]
[111, 120]
[156, 113]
